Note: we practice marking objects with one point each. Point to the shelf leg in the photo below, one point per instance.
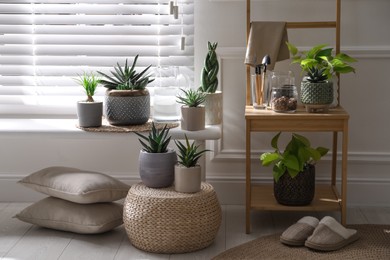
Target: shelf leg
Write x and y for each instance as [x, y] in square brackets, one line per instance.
[344, 174]
[248, 177]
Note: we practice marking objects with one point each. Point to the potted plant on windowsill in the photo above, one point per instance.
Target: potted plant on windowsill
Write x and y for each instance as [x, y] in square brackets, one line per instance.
[317, 91]
[209, 85]
[127, 100]
[156, 160]
[293, 169]
[192, 110]
[188, 173]
[89, 111]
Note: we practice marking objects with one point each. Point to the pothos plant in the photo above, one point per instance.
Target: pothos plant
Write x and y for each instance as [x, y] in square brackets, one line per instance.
[296, 156]
[319, 63]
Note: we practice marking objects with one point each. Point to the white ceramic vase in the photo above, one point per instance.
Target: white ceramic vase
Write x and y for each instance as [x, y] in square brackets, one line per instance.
[188, 180]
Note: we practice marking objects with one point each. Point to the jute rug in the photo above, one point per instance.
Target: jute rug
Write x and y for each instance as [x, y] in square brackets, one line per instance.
[106, 127]
[374, 243]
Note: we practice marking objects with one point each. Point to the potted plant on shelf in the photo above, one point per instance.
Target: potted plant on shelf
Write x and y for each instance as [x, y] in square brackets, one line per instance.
[89, 111]
[127, 100]
[209, 85]
[156, 160]
[192, 110]
[293, 169]
[317, 92]
[187, 170]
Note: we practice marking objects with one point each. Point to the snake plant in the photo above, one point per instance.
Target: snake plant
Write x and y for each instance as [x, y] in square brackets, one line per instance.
[209, 79]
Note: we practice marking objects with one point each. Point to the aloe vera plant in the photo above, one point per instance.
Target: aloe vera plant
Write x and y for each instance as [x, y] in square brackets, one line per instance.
[188, 153]
[126, 77]
[209, 79]
[157, 141]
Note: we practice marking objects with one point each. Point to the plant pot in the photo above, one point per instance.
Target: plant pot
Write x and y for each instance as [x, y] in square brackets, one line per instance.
[157, 169]
[317, 97]
[127, 107]
[187, 180]
[213, 105]
[89, 113]
[298, 191]
[193, 118]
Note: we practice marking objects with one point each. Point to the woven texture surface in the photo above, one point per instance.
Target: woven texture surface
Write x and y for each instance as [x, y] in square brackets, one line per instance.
[374, 243]
[166, 221]
[106, 127]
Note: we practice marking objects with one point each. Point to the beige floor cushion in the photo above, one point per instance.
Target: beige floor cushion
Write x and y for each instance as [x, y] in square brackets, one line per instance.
[68, 216]
[76, 185]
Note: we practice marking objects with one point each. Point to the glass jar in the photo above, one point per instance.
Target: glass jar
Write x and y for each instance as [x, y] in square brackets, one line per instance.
[284, 94]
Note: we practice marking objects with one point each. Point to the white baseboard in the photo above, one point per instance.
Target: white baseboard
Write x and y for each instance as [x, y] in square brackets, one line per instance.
[230, 190]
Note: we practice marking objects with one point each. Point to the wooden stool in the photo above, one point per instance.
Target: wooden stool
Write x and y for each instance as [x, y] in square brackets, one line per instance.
[166, 221]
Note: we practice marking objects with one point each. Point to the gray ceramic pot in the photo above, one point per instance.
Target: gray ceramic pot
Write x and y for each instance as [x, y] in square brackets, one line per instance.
[157, 169]
[193, 118]
[127, 107]
[89, 113]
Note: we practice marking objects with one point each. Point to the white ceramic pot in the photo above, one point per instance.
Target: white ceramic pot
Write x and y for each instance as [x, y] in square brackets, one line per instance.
[213, 105]
[187, 180]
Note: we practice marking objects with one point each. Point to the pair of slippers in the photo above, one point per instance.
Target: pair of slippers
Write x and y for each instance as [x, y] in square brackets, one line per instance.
[324, 235]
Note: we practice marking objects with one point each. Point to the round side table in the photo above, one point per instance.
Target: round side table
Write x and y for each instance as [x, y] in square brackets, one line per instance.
[166, 221]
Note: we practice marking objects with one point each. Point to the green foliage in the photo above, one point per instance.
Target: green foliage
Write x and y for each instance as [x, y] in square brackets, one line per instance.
[316, 75]
[191, 98]
[157, 141]
[126, 77]
[295, 157]
[209, 79]
[320, 59]
[188, 153]
[89, 82]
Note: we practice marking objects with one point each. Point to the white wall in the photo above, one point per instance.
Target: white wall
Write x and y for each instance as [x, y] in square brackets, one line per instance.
[364, 95]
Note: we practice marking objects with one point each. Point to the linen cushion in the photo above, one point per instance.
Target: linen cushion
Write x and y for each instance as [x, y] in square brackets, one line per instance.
[76, 185]
[68, 216]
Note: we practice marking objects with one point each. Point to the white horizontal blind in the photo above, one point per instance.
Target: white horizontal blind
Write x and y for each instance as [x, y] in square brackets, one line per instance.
[45, 44]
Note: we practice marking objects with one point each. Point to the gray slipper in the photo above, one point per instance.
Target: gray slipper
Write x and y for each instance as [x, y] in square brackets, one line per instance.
[330, 235]
[297, 234]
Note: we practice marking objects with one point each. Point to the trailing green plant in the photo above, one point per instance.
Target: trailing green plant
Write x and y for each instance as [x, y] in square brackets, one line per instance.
[89, 82]
[157, 141]
[208, 78]
[319, 63]
[191, 97]
[126, 77]
[188, 153]
[296, 156]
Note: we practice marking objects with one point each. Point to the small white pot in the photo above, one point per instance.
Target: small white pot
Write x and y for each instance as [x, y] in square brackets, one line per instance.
[187, 180]
[193, 118]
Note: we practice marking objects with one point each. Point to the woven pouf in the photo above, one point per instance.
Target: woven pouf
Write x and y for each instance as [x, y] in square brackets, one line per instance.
[166, 221]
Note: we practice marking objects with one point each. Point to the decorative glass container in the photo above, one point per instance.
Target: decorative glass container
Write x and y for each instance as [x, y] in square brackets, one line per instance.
[284, 94]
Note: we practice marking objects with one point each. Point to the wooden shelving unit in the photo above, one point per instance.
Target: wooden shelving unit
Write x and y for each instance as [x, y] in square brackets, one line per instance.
[327, 197]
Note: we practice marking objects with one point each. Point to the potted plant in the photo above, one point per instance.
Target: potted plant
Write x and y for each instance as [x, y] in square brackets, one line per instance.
[209, 85]
[188, 173]
[317, 92]
[156, 160]
[127, 100]
[89, 111]
[192, 110]
[293, 169]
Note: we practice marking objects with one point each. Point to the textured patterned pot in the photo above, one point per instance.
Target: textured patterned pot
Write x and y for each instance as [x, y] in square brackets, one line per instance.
[317, 96]
[127, 107]
[90, 113]
[298, 191]
[157, 169]
[213, 105]
[193, 118]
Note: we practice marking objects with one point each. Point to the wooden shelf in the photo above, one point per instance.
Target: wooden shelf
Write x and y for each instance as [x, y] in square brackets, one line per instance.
[325, 199]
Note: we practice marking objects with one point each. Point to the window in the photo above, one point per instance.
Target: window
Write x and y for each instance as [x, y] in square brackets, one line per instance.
[45, 44]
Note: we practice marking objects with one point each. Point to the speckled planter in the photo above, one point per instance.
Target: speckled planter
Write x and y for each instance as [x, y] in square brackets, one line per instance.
[127, 107]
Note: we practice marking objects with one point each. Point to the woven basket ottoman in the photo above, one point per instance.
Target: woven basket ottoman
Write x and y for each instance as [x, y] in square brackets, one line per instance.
[166, 221]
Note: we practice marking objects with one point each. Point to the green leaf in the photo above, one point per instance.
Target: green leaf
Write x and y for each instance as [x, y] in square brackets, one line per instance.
[268, 158]
[278, 170]
[322, 150]
[292, 48]
[291, 162]
[274, 141]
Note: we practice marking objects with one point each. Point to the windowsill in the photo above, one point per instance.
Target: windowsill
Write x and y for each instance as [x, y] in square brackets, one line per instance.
[40, 126]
